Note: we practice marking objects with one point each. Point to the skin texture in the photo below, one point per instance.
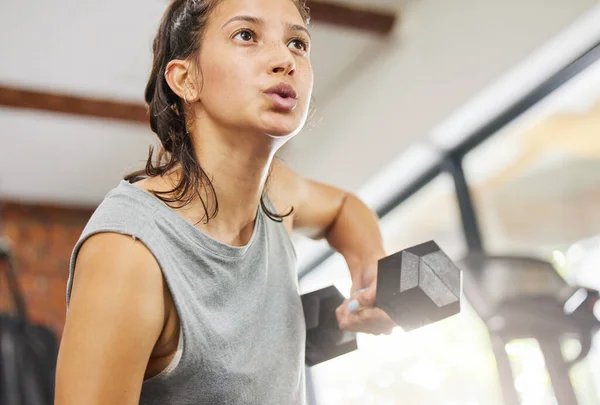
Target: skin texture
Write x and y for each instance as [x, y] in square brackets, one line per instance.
[108, 350]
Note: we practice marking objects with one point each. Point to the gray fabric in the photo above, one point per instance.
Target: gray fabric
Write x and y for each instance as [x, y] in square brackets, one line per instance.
[241, 316]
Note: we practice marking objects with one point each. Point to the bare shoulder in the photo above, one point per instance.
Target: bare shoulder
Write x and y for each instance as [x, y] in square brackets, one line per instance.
[119, 256]
[120, 267]
[116, 314]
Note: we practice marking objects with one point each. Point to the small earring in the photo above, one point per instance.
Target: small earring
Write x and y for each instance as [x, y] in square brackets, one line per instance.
[185, 99]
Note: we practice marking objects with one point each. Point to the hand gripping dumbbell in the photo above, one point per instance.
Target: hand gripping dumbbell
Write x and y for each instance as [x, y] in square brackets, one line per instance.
[415, 287]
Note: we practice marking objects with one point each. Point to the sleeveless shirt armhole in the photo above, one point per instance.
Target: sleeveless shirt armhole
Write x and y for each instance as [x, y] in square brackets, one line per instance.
[152, 245]
[174, 362]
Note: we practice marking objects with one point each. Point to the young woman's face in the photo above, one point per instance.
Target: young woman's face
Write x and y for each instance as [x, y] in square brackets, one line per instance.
[255, 66]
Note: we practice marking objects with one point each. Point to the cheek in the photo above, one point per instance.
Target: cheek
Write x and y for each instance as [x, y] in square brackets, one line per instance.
[225, 81]
[306, 78]
[218, 85]
[307, 81]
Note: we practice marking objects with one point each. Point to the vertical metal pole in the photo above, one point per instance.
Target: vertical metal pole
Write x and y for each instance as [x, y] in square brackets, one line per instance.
[559, 371]
[507, 381]
[453, 164]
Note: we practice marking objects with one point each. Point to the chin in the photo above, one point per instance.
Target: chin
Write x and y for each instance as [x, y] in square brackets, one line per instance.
[281, 132]
[283, 126]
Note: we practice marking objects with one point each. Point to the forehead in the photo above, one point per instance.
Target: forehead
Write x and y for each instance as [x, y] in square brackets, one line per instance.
[271, 11]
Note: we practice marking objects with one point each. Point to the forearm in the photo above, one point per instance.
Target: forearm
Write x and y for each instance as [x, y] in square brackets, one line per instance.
[356, 235]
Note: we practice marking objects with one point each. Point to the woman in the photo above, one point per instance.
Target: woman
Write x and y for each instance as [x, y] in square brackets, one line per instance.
[183, 287]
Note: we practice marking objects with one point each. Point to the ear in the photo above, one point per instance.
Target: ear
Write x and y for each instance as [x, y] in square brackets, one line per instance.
[182, 79]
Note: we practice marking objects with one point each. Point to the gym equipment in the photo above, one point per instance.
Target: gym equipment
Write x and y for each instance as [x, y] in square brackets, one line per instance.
[520, 297]
[526, 298]
[415, 287]
[28, 352]
[324, 339]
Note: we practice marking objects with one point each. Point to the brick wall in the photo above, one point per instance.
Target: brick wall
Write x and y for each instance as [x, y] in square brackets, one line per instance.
[42, 239]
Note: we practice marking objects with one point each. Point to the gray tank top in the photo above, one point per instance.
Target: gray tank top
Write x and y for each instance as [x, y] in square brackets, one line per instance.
[242, 325]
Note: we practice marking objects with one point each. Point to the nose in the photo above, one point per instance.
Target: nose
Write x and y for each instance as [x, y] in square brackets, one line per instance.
[282, 61]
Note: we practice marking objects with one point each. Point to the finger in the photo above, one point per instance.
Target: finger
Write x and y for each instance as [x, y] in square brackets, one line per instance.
[368, 320]
[367, 299]
[374, 329]
[384, 332]
[362, 298]
[371, 316]
[351, 315]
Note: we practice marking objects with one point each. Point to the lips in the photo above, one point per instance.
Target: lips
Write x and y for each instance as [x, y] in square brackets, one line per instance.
[283, 96]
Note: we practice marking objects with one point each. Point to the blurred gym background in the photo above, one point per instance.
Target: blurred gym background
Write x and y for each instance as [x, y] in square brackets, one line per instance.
[475, 123]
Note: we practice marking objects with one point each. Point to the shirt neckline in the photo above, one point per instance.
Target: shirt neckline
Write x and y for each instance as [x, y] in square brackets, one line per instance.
[217, 247]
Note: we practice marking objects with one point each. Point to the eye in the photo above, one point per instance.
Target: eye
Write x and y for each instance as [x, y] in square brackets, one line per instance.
[246, 35]
[298, 44]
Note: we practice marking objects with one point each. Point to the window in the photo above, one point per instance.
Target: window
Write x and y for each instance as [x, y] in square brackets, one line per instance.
[536, 190]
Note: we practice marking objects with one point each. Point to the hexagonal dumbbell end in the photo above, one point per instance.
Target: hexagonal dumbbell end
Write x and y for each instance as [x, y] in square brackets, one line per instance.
[324, 339]
[418, 286]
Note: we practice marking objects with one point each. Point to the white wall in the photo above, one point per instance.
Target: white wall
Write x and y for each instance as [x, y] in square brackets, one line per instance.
[445, 52]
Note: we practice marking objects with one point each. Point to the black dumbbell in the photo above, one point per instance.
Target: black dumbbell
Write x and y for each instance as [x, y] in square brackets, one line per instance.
[415, 287]
[324, 339]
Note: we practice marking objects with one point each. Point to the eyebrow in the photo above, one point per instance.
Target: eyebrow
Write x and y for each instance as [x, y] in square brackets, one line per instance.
[260, 21]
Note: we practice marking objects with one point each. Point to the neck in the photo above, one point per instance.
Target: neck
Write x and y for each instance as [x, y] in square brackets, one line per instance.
[238, 165]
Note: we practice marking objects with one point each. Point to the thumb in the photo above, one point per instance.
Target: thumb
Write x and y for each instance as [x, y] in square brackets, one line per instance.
[367, 298]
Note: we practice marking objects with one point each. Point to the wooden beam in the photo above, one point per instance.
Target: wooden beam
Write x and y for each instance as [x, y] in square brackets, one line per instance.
[69, 104]
[351, 17]
[361, 18]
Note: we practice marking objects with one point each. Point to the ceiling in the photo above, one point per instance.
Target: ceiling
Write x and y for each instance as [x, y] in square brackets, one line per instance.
[103, 49]
[100, 50]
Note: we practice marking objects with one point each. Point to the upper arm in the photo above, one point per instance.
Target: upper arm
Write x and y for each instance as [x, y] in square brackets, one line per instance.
[316, 205]
[115, 316]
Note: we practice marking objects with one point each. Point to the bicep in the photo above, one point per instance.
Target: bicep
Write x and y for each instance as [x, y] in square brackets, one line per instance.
[115, 316]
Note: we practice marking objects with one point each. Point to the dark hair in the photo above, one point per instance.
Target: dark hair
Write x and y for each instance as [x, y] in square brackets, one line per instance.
[179, 37]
